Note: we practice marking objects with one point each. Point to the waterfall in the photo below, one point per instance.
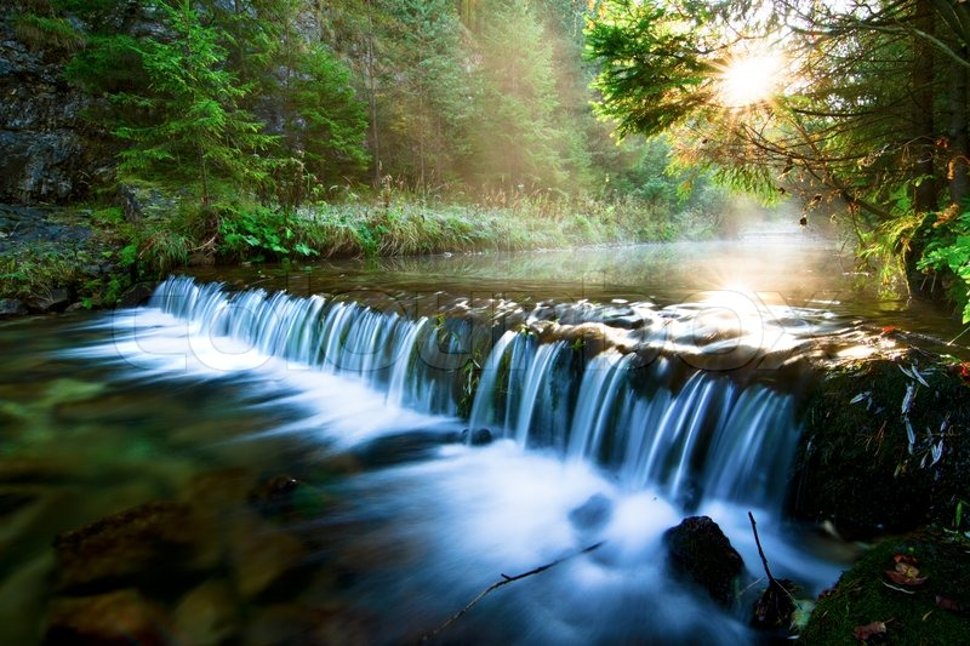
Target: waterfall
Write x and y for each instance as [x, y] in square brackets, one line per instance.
[690, 434]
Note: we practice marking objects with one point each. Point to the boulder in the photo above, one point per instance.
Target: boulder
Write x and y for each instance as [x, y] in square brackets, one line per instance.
[12, 307]
[699, 552]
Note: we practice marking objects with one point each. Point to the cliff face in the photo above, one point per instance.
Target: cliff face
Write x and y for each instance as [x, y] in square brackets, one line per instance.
[48, 152]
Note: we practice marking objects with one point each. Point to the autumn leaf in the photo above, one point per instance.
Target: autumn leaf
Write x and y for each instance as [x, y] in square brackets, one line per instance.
[863, 633]
[947, 604]
[906, 574]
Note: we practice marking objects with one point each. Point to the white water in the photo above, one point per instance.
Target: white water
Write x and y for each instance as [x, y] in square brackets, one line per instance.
[656, 445]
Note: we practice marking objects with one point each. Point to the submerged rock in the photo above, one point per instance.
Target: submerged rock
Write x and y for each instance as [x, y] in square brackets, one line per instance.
[479, 437]
[151, 541]
[698, 551]
[593, 514]
[122, 617]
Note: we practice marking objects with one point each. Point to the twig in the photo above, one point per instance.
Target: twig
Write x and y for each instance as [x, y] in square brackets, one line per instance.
[772, 581]
[506, 579]
[761, 552]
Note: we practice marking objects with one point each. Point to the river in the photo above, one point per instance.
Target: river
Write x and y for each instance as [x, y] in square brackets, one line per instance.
[686, 404]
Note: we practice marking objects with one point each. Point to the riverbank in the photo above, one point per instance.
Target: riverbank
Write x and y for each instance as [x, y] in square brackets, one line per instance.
[53, 259]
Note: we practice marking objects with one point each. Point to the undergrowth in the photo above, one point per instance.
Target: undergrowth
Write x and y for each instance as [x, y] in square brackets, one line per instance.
[169, 234]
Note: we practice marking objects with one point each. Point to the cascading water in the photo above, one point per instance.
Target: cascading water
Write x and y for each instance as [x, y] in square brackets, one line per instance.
[632, 423]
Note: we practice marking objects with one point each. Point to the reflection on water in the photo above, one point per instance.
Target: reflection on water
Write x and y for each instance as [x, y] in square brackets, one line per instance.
[399, 522]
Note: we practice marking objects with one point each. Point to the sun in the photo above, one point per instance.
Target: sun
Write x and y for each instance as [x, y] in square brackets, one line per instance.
[750, 79]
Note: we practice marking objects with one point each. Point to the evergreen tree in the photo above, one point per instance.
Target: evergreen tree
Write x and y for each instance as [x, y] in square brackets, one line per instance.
[189, 125]
[518, 143]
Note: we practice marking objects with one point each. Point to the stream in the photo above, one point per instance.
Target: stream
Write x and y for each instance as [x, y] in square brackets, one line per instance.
[455, 419]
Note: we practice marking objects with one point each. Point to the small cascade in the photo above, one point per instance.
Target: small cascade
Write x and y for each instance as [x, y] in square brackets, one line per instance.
[691, 434]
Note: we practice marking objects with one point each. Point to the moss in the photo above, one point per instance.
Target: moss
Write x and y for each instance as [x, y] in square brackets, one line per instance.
[855, 464]
[862, 595]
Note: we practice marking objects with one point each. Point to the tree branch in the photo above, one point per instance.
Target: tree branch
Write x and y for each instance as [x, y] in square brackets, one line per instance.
[505, 580]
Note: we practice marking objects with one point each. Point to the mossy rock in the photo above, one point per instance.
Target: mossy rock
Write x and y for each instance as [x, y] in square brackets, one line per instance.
[856, 465]
[932, 612]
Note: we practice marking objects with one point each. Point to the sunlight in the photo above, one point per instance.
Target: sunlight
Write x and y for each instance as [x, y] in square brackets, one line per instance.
[750, 79]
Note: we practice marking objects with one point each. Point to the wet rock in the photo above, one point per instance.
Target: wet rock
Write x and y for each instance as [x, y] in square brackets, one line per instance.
[335, 625]
[774, 608]
[137, 295]
[54, 301]
[12, 307]
[148, 543]
[274, 495]
[480, 437]
[208, 614]
[698, 551]
[403, 447]
[263, 557]
[122, 617]
[593, 514]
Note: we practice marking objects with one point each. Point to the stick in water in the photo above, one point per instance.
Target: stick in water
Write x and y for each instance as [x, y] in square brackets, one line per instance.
[505, 580]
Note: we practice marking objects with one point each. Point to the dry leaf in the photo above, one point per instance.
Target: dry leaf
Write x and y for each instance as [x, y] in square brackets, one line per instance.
[862, 633]
[947, 604]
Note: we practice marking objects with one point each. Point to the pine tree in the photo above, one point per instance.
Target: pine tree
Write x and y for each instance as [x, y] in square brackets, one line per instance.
[197, 131]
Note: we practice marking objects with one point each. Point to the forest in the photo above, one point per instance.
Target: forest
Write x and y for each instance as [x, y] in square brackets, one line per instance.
[402, 127]
[391, 127]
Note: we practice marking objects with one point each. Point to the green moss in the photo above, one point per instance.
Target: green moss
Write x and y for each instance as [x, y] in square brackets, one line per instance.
[862, 595]
[856, 465]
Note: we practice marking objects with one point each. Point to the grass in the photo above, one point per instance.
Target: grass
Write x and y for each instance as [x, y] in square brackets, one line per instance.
[42, 32]
[231, 231]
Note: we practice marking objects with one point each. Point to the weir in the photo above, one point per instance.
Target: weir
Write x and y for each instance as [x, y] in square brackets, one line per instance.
[691, 434]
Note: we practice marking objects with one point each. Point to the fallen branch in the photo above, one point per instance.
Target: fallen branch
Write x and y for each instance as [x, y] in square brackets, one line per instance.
[761, 552]
[505, 580]
[776, 605]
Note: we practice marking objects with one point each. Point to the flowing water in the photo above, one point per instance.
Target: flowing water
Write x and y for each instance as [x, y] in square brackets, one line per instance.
[463, 418]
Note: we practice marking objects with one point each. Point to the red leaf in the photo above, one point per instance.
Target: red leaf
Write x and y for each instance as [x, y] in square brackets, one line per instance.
[947, 604]
[862, 633]
[905, 578]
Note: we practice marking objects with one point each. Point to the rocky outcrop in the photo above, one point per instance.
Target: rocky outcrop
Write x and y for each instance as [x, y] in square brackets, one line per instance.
[48, 152]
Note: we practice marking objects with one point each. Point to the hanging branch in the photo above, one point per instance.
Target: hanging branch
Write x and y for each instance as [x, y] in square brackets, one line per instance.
[505, 580]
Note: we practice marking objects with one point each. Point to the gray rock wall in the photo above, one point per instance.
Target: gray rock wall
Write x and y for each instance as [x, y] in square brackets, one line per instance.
[48, 152]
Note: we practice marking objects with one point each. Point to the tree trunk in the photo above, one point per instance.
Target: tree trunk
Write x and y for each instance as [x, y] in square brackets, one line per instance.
[926, 191]
[959, 147]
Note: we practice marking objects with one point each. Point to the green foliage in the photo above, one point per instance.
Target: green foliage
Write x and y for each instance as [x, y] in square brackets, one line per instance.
[652, 72]
[259, 233]
[949, 250]
[519, 142]
[44, 33]
[326, 122]
[198, 128]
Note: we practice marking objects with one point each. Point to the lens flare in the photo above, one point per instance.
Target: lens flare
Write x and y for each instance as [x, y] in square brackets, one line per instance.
[750, 79]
